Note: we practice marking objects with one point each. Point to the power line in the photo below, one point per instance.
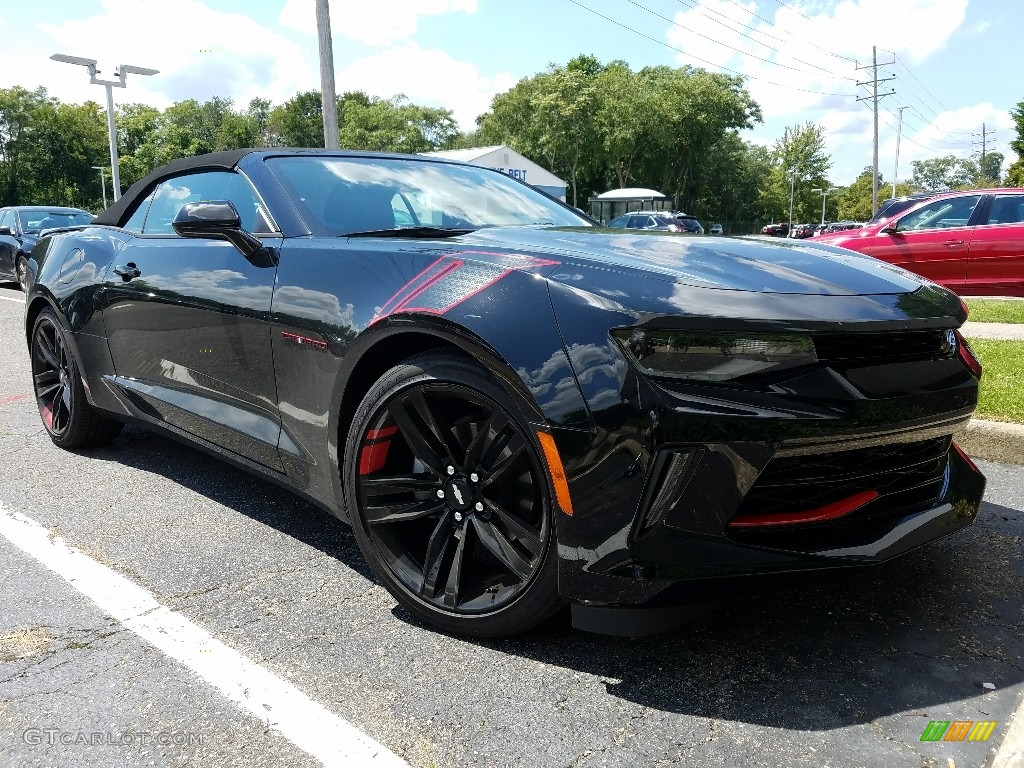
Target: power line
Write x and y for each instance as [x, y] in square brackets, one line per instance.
[705, 61]
[933, 97]
[791, 8]
[737, 50]
[708, 12]
[771, 23]
[927, 125]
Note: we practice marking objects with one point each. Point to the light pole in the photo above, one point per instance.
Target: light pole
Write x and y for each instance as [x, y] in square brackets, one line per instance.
[824, 196]
[103, 182]
[792, 189]
[899, 133]
[120, 73]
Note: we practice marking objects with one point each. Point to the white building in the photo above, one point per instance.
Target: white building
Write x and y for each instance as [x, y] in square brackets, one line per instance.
[505, 159]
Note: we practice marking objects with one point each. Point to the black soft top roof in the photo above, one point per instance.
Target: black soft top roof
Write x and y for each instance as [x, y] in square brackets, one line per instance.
[227, 159]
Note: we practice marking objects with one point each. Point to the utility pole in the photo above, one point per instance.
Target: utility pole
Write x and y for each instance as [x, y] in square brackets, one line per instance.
[899, 134]
[874, 97]
[984, 144]
[327, 91]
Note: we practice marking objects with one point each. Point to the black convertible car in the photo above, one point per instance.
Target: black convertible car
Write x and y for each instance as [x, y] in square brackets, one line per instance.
[20, 229]
[514, 408]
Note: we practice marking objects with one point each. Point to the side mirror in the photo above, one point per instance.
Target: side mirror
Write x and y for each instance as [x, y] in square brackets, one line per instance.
[219, 219]
[891, 228]
[6, 231]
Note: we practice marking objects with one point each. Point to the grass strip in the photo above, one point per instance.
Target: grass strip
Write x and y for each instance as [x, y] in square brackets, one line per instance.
[995, 311]
[1002, 385]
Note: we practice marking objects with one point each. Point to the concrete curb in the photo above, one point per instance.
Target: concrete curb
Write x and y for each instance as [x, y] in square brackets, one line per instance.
[1011, 751]
[993, 441]
[1002, 331]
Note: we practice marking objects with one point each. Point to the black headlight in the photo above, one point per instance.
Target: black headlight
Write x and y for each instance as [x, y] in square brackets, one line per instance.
[714, 356]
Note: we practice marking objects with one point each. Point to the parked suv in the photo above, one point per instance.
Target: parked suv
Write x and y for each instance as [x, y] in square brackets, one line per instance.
[776, 230]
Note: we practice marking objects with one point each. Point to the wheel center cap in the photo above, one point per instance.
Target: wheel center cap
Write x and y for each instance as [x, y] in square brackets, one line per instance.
[459, 494]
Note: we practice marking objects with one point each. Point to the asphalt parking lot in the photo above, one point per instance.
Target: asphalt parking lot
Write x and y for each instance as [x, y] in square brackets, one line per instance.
[843, 670]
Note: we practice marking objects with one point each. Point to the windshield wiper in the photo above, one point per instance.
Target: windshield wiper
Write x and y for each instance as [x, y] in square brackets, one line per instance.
[425, 232]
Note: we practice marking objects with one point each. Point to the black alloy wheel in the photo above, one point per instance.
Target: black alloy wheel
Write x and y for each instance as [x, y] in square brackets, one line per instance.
[452, 504]
[69, 419]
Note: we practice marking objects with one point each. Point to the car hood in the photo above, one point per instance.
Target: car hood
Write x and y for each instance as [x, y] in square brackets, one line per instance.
[760, 265]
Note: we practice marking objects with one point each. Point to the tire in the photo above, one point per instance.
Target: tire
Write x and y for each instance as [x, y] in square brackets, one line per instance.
[21, 271]
[69, 419]
[449, 498]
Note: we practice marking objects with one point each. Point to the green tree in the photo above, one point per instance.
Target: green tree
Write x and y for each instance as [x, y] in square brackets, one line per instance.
[1015, 173]
[942, 173]
[394, 125]
[596, 125]
[299, 122]
[18, 110]
[990, 167]
[799, 165]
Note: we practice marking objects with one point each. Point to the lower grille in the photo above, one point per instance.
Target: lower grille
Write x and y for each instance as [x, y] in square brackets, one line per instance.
[906, 477]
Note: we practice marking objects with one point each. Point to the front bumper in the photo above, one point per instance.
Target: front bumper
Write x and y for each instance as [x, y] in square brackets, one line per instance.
[675, 490]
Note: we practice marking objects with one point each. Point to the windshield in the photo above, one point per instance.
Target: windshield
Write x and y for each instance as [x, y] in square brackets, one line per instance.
[346, 195]
[33, 222]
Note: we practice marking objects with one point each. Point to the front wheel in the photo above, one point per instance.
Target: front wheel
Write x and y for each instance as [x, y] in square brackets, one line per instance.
[449, 498]
[70, 420]
[21, 271]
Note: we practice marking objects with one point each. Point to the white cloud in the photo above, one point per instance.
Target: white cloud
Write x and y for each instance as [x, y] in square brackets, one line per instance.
[440, 80]
[184, 41]
[369, 22]
[802, 65]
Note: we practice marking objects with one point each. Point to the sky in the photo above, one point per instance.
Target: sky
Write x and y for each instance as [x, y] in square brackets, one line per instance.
[951, 61]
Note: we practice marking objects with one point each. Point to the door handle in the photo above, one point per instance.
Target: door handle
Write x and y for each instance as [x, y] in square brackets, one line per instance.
[953, 243]
[128, 271]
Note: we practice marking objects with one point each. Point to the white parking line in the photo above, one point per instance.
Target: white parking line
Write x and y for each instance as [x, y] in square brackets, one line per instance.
[304, 722]
[11, 298]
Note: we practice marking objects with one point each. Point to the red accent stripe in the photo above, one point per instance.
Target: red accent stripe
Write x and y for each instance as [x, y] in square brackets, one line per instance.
[402, 303]
[373, 434]
[396, 296]
[461, 299]
[966, 355]
[966, 458]
[448, 268]
[828, 512]
[305, 341]
[47, 414]
[373, 457]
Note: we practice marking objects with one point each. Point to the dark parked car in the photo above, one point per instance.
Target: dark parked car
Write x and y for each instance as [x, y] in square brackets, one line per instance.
[19, 231]
[972, 242]
[657, 222]
[514, 409]
[894, 205]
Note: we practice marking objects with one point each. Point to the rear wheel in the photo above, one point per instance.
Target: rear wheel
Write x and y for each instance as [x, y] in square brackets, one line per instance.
[69, 419]
[450, 500]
